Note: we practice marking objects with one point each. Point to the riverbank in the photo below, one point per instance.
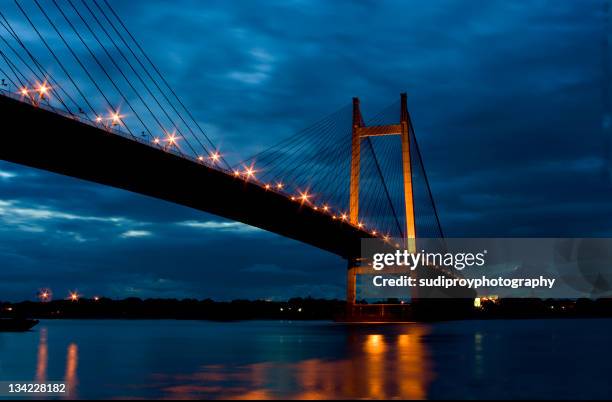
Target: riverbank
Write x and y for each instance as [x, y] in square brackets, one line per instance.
[294, 309]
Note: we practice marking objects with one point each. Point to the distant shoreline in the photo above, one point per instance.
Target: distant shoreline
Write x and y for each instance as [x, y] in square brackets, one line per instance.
[293, 309]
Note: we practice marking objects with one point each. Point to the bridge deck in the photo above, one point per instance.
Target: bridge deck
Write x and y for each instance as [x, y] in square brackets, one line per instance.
[45, 140]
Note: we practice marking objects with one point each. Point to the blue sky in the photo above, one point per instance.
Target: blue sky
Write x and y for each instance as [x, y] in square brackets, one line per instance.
[506, 100]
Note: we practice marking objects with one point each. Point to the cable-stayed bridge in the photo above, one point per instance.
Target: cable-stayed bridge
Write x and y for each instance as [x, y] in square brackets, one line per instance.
[82, 98]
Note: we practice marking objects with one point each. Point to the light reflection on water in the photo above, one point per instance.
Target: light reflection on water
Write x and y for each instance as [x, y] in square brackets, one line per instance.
[314, 360]
[380, 367]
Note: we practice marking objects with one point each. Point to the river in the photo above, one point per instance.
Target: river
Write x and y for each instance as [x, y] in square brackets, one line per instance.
[563, 359]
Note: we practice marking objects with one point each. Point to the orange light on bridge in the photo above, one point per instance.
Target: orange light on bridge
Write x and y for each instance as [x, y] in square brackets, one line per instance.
[172, 139]
[98, 119]
[43, 89]
[74, 296]
[215, 157]
[374, 232]
[360, 225]
[115, 117]
[267, 186]
[325, 207]
[201, 158]
[236, 173]
[344, 217]
[156, 140]
[305, 197]
[279, 186]
[249, 171]
[24, 91]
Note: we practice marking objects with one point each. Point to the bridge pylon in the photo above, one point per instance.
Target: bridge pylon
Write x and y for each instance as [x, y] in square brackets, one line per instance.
[359, 132]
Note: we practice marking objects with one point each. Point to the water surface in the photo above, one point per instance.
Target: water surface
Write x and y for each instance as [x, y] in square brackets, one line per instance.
[197, 359]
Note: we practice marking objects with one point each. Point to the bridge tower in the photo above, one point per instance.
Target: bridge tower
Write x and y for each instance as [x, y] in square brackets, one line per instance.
[359, 132]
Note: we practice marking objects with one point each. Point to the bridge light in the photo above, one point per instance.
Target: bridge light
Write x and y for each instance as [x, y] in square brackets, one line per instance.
[98, 119]
[360, 225]
[325, 207]
[279, 186]
[386, 237]
[292, 198]
[236, 173]
[215, 156]
[200, 158]
[249, 171]
[74, 296]
[304, 197]
[267, 186]
[43, 89]
[172, 139]
[343, 217]
[373, 232]
[156, 140]
[115, 118]
[24, 91]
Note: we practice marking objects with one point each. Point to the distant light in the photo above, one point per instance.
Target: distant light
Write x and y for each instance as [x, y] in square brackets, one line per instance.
[98, 119]
[156, 140]
[74, 296]
[24, 91]
[44, 295]
[267, 186]
[200, 158]
[292, 198]
[299, 310]
[96, 298]
[373, 232]
[280, 185]
[236, 173]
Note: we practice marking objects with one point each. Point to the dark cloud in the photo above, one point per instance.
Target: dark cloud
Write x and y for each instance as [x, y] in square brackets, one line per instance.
[506, 99]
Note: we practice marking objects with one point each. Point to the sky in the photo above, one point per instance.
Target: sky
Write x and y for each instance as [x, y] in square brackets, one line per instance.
[506, 100]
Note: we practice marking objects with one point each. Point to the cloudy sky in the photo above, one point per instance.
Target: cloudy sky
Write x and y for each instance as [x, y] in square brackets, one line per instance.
[506, 100]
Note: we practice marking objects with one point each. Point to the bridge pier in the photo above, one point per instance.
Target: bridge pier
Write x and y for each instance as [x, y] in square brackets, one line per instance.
[351, 285]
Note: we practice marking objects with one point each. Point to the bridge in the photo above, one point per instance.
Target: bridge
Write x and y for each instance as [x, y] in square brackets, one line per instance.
[341, 180]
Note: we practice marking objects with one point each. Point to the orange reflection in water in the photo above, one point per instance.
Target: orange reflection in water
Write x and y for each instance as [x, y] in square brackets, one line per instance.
[71, 379]
[42, 357]
[379, 365]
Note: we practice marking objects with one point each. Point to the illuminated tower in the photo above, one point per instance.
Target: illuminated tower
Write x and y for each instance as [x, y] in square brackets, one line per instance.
[359, 132]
